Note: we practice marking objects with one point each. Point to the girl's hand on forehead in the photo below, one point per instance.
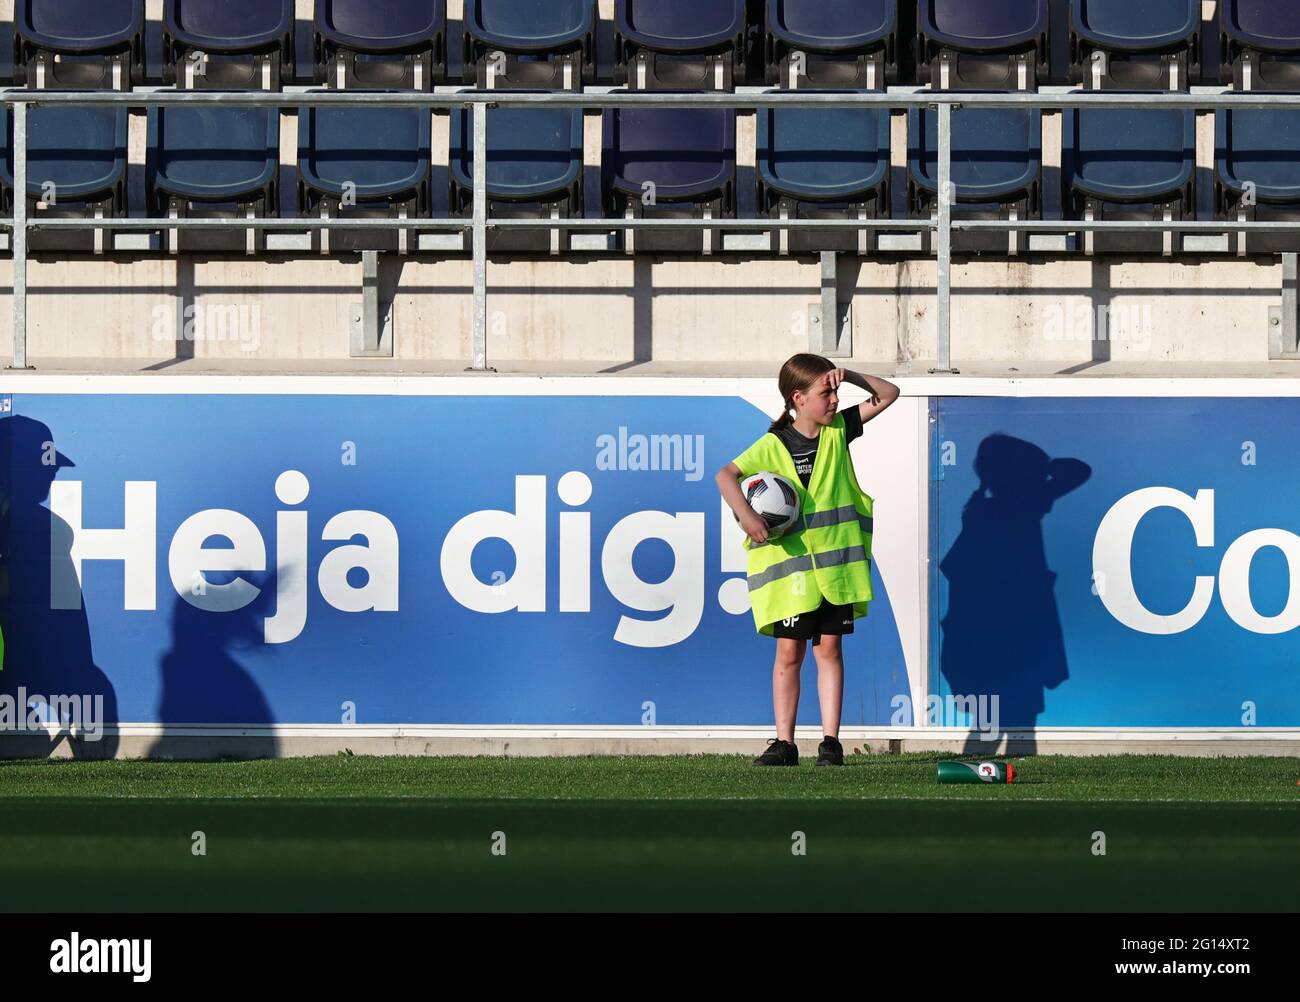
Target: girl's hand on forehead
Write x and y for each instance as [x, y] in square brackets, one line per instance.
[833, 379]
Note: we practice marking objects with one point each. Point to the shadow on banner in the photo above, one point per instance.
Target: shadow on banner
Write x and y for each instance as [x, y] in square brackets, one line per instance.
[1001, 633]
[49, 674]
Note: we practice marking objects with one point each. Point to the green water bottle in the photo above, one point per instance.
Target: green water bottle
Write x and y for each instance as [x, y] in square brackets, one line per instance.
[976, 772]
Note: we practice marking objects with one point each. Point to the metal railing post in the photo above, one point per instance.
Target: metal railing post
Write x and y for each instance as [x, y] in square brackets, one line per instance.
[1290, 338]
[830, 326]
[370, 336]
[943, 248]
[20, 236]
[480, 240]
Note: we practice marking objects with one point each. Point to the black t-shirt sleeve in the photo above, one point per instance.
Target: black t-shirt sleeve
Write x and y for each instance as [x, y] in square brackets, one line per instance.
[852, 423]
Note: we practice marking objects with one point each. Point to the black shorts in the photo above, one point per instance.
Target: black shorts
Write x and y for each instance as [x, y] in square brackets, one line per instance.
[829, 619]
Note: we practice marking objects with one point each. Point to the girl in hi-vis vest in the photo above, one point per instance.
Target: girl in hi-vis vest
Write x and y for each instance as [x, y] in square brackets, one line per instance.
[812, 582]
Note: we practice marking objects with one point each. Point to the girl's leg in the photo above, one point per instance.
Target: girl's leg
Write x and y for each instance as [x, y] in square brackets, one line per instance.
[785, 684]
[830, 682]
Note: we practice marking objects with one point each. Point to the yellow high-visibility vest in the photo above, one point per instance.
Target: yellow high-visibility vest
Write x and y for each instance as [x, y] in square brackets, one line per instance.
[828, 554]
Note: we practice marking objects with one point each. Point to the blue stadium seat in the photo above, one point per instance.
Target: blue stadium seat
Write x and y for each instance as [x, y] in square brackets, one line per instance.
[1151, 45]
[680, 44]
[76, 168]
[364, 163]
[84, 44]
[981, 44]
[534, 170]
[669, 163]
[546, 44]
[823, 163]
[214, 163]
[1260, 44]
[849, 44]
[393, 44]
[1128, 163]
[1257, 157]
[228, 44]
[996, 169]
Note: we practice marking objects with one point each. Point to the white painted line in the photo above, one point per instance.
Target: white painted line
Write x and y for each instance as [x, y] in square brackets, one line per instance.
[436, 385]
[661, 733]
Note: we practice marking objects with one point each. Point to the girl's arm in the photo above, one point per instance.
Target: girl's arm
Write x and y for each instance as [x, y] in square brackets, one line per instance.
[882, 391]
[729, 484]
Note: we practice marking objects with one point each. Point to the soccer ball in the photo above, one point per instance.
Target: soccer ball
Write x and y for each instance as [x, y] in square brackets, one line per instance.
[774, 500]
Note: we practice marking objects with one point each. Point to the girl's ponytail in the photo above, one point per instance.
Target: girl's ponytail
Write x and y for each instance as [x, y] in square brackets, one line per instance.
[785, 420]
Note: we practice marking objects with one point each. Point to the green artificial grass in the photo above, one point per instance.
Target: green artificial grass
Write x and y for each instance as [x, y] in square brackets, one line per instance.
[693, 777]
[705, 832]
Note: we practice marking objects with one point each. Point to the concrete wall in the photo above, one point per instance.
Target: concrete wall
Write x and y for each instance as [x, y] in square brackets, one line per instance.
[672, 311]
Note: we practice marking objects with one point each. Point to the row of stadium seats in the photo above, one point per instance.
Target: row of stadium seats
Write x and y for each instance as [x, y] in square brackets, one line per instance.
[811, 163]
[659, 44]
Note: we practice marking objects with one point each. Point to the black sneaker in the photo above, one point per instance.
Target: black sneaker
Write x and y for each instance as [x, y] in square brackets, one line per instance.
[830, 752]
[779, 753]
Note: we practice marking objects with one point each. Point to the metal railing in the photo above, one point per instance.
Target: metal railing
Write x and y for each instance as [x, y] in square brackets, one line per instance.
[448, 98]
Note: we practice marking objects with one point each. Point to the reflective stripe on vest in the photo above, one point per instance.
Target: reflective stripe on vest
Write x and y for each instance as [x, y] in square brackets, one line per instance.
[831, 558]
[823, 519]
[778, 571]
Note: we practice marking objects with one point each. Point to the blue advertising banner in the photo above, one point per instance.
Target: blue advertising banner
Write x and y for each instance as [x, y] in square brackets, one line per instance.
[1118, 562]
[266, 558]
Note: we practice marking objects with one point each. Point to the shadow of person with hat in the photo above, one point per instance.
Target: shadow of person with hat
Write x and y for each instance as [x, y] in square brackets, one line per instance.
[204, 680]
[47, 650]
[1001, 633]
